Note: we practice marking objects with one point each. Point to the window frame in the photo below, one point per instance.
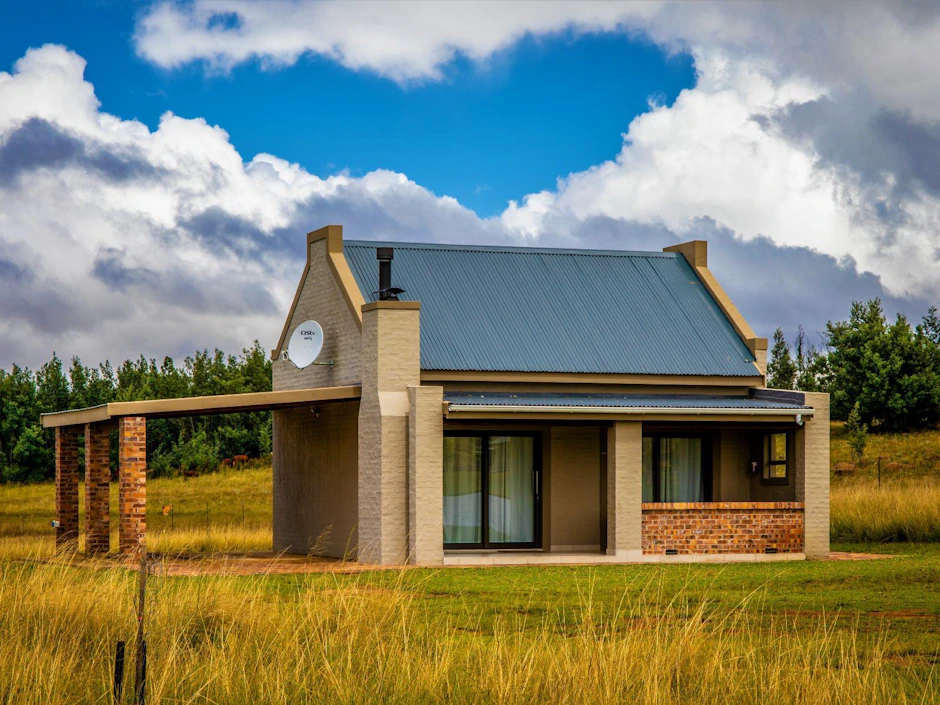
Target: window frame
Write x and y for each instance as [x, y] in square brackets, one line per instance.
[538, 480]
[706, 463]
[765, 479]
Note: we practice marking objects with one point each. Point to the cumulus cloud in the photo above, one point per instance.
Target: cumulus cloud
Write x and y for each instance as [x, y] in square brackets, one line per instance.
[872, 44]
[797, 130]
[116, 239]
[768, 157]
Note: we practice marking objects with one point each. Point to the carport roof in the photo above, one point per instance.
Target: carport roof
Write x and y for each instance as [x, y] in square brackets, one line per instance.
[198, 406]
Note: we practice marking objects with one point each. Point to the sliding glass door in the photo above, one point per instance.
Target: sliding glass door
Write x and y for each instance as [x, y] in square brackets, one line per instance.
[491, 490]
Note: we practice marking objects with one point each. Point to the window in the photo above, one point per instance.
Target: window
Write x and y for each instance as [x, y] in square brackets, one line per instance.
[676, 469]
[776, 465]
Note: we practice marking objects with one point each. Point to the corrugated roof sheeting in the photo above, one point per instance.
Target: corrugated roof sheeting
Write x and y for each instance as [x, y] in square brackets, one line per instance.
[538, 310]
[643, 401]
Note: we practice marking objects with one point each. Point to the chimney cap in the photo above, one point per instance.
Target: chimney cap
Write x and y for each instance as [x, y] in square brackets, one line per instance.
[383, 253]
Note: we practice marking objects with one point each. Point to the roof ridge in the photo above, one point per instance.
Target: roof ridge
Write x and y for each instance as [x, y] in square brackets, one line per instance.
[508, 249]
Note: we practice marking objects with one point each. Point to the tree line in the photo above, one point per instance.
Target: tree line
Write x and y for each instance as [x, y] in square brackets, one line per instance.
[887, 372]
[27, 451]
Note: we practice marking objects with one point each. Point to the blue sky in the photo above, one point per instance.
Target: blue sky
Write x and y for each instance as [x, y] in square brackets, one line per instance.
[129, 223]
[488, 133]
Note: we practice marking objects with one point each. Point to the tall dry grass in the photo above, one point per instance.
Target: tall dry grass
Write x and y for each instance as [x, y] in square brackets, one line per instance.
[225, 511]
[225, 640]
[898, 510]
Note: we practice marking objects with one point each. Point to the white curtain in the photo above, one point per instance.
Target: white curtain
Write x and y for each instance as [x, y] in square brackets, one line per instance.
[680, 469]
[463, 476]
[511, 500]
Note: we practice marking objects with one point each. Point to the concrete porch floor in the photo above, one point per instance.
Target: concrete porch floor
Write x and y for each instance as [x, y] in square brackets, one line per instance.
[584, 558]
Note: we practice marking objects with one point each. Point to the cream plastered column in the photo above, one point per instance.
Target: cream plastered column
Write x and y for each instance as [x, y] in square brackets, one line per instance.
[426, 475]
[812, 475]
[391, 362]
[625, 490]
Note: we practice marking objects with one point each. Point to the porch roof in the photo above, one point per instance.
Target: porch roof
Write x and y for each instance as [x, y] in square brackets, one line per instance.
[596, 404]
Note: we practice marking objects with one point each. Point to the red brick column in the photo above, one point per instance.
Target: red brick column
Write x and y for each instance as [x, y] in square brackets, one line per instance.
[66, 487]
[97, 490]
[132, 483]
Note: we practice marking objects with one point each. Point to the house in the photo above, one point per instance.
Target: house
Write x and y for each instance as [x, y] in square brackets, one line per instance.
[476, 405]
[578, 405]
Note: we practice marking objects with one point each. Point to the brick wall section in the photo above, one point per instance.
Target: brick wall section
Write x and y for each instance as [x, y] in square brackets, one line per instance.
[624, 488]
[97, 490]
[322, 300]
[812, 475]
[132, 483]
[722, 527]
[391, 352]
[425, 475]
[66, 487]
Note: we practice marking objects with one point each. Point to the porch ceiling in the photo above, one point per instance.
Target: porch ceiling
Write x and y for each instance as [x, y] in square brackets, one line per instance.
[196, 406]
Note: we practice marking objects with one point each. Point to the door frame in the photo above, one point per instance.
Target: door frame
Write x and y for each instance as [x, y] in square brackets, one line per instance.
[537, 481]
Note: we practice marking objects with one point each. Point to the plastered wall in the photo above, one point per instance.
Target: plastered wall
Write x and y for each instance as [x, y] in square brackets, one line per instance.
[575, 475]
[316, 479]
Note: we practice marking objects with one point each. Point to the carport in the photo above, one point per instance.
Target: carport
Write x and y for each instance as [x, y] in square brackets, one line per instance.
[130, 421]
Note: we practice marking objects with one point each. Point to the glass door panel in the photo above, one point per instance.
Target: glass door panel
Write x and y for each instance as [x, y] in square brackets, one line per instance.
[511, 489]
[463, 490]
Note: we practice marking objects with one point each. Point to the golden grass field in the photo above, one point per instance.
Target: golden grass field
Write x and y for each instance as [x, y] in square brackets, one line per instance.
[641, 636]
[819, 632]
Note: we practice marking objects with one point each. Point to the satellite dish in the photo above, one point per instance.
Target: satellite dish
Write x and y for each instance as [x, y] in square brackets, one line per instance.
[305, 344]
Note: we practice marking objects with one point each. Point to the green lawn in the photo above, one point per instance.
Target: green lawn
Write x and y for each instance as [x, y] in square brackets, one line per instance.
[898, 597]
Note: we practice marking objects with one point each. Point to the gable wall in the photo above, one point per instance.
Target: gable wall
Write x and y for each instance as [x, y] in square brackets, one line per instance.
[322, 300]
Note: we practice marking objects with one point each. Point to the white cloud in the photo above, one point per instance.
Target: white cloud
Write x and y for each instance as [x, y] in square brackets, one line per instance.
[717, 153]
[117, 240]
[888, 48]
[401, 40]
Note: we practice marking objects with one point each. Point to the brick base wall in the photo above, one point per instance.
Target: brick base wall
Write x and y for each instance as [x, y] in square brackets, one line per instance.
[723, 527]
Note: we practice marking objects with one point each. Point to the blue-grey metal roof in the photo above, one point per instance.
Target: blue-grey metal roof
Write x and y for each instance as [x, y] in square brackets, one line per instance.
[550, 310]
[624, 401]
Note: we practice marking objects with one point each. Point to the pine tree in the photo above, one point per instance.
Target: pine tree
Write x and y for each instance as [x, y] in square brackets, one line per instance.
[857, 433]
[781, 371]
[810, 366]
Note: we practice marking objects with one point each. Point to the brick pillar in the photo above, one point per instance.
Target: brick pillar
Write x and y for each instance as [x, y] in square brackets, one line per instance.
[66, 488]
[625, 490]
[132, 483]
[426, 475]
[812, 475]
[97, 489]
[391, 351]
